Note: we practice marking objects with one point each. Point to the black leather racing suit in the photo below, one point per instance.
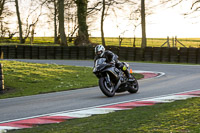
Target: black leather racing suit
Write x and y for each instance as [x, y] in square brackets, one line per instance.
[113, 58]
[110, 58]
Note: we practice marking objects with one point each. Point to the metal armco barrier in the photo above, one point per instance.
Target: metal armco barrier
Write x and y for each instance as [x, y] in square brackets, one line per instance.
[1, 78]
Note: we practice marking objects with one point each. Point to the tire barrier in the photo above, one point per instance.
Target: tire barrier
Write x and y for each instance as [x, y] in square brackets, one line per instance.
[157, 54]
[1, 79]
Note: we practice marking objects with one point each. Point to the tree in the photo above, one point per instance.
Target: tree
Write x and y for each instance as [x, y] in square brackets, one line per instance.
[52, 14]
[19, 22]
[143, 24]
[69, 18]
[135, 18]
[93, 11]
[102, 20]
[6, 14]
[61, 22]
[2, 3]
[28, 22]
[195, 6]
[171, 2]
[83, 37]
[55, 22]
[104, 7]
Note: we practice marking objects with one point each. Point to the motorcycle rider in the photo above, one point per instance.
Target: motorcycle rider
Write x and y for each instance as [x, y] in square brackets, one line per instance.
[111, 58]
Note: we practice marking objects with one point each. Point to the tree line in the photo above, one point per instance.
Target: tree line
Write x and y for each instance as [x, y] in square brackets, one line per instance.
[73, 13]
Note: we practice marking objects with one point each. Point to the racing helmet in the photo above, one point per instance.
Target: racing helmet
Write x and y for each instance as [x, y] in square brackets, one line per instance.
[99, 50]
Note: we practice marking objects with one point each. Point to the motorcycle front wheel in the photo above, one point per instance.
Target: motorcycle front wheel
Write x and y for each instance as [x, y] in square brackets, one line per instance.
[106, 88]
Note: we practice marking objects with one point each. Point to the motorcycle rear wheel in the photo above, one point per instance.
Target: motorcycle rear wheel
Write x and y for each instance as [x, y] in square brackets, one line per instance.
[105, 88]
[134, 87]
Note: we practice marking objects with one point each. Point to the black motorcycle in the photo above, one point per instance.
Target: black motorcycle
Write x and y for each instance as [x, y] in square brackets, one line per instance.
[113, 80]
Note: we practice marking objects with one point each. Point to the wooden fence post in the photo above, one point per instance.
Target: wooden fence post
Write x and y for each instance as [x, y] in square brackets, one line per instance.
[167, 42]
[120, 41]
[179, 42]
[173, 42]
[1, 79]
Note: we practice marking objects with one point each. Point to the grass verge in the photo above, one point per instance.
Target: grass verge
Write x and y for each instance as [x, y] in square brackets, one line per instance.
[23, 79]
[176, 117]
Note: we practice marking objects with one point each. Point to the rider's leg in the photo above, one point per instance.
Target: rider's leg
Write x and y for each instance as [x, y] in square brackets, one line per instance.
[123, 67]
[125, 70]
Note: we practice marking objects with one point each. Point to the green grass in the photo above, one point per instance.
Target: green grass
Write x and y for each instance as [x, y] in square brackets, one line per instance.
[22, 79]
[110, 41]
[176, 117]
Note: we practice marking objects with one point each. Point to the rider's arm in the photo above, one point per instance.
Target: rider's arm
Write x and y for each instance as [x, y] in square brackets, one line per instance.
[111, 57]
[95, 58]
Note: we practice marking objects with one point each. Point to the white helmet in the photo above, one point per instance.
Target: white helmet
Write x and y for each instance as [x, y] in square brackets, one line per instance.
[99, 50]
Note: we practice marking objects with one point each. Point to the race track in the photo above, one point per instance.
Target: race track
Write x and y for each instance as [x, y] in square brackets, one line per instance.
[177, 78]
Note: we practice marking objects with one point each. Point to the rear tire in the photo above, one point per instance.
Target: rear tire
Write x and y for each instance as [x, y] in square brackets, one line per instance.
[108, 91]
[134, 87]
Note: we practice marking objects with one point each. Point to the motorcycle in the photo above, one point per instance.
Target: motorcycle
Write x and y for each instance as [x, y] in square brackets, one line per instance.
[113, 80]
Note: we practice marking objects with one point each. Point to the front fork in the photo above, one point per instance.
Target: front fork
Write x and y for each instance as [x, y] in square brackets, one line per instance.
[108, 80]
[110, 84]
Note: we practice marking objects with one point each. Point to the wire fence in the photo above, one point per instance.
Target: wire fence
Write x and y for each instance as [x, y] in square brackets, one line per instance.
[115, 41]
[151, 42]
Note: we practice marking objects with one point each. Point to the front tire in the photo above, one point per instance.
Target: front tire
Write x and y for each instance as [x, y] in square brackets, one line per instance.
[134, 87]
[105, 88]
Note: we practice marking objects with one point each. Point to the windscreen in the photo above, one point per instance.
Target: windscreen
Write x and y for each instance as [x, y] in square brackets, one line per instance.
[100, 61]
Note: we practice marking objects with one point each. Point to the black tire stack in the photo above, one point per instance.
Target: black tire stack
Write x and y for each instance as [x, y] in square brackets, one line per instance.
[1, 79]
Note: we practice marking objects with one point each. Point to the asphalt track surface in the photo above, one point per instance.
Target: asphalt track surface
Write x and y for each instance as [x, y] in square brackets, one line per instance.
[177, 78]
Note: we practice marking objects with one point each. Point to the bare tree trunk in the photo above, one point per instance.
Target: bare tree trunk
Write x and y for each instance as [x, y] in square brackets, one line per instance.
[61, 22]
[143, 22]
[2, 2]
[134, 40]
[83, 37]
[102, 20]
[55, 23]
[19, 22]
